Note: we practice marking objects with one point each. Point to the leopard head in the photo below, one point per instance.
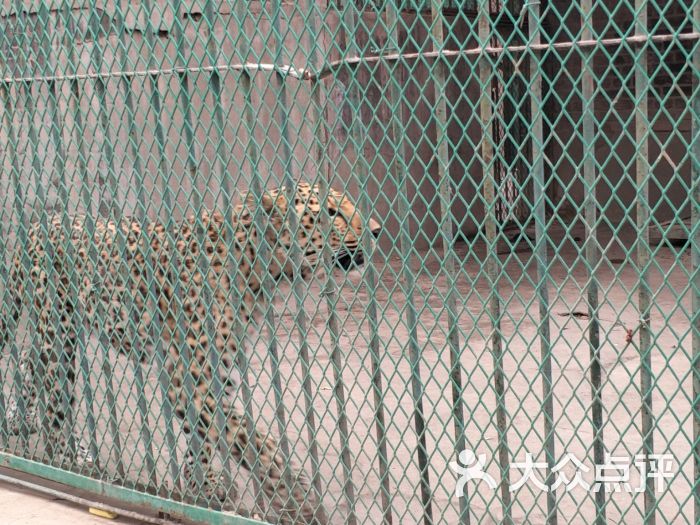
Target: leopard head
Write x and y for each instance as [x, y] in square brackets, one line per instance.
[342, 238]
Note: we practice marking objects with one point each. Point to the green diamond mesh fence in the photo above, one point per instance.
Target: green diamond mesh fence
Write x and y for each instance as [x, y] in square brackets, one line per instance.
[358, 262]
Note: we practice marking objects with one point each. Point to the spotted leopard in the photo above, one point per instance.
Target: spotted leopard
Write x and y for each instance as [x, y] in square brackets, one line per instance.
[116, 290]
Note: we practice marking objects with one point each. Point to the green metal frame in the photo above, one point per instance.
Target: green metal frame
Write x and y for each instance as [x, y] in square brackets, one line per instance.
[159, 110]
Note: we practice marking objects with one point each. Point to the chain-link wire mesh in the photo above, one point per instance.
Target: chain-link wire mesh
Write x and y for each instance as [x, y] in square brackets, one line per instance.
[184, 186]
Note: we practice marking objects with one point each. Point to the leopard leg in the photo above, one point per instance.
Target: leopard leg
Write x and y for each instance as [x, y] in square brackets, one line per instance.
[195, 412]
[15, 422]
[287, 489]
[57, 365]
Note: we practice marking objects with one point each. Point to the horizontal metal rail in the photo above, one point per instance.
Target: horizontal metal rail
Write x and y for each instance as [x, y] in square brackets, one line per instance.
[176, 509]
[328, 68]
[83, 501]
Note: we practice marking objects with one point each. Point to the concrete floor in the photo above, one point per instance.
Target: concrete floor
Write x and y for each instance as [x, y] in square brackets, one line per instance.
[22, 506]
[523, 401]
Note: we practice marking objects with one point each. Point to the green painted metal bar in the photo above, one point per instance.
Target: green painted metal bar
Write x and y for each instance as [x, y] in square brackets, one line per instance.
[256, 190]
[540, 252]
[185, 101]
[99, 488]
[695, 262]
[20, 30]
[299, 288]
[63, 185]
[156, 107]
[66, 368]
[399, 172]
[195, 442]
[108, 209]
[126, 84]
[84, 502]
[30, 110]
[449, 261]
[694, 238]
[21, 242]
[280, 92]
[330, 293]
[357, 133]
[212, 52]
[50, 258]
[493, 264]
[4, 275]
[328, 286]
[8, 336]
[37, 151]
[643, 170]
[115, 212]
[48, 247]
[69, 36]
[592, 252]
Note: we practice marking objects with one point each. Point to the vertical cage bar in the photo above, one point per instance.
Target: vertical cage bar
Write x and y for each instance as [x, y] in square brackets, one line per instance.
[63, 199]
[330, 292]
[7, 336]
[493, 264]
[97, 60]
[41, 198]
[257, 191]
[65, 226]
[69, 37]
[20, 244]
[66, 366]
[212, 50]
[256, 188]
[641, 133]
[21, 239]
[541, 239]
[695, 260]
[299, 289]
[592, 252]
[185, 102]
[357, 132]
[280, 96]
[156, 107]
[7, 323]
[49, 251]
[400, 173]
[126, 84]
[329, 287]
[112, 211]
[48, 247]
[449, 262]
[194, 440]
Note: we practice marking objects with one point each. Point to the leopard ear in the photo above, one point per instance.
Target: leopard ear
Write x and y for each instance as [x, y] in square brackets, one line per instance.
[268, 201]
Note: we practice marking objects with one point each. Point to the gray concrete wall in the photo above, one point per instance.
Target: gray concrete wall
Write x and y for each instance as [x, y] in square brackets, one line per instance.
[614, 147]
[616, 150]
